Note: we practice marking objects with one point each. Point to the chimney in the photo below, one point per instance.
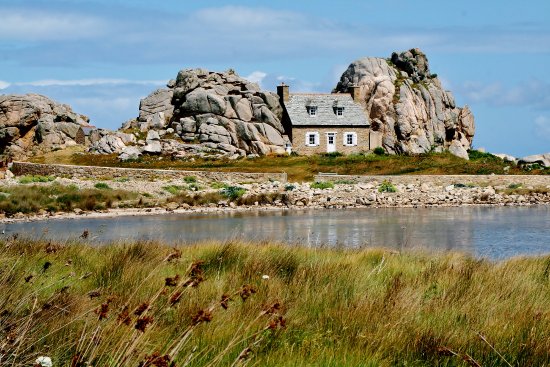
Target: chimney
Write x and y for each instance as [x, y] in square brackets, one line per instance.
[283, 92]
[355, 90]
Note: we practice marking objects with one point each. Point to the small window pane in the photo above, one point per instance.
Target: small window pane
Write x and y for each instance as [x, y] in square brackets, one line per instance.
[339, 111]
[349, 139]
[312, 110]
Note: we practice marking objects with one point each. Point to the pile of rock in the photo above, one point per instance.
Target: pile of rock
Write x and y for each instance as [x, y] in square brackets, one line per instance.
[32, 124]
[408, 105]
[203, 113]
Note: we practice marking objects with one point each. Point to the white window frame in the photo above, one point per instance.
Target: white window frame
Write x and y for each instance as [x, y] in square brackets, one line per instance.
[312, 111]
[315, 135]
[339, 111]
[353, 139]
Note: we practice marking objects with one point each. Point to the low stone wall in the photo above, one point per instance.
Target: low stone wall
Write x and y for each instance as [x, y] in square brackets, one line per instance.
[444, 180]
[85, 172]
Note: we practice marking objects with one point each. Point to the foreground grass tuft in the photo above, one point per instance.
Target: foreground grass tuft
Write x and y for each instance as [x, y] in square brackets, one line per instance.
[267, 304]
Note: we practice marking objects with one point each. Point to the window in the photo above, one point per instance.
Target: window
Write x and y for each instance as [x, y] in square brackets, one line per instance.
[350, 139]
[339, 111]
[312, 111]
[312, 139]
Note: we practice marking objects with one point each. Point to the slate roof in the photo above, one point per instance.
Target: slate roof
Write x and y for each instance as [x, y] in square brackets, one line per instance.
[326, 114]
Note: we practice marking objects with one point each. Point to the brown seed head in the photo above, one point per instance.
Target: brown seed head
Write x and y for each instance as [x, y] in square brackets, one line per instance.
[141, 309]
[201, 316]
[172, 282]
[143, 322]
[225, 301]
[124, 316]
[246, 291]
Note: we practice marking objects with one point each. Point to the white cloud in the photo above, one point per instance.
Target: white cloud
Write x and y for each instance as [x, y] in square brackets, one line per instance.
[535, 93]
[88, 82]
[542, 124]
[256, 77]
[4, 85]
[35, 25]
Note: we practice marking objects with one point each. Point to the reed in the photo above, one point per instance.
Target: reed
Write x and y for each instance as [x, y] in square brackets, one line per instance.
[267, 304]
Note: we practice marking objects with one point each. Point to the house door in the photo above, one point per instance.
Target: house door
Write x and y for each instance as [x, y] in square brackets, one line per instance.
[331, 142]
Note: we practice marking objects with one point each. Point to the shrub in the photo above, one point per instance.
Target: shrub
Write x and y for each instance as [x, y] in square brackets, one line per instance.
[322, 185]
[102, 186]
[333, 154]
[387, 186]
[190, 179]
[379, 151]
[514, 186]
[35, 178]
[173, 189]
[232, 192]
[217, 185]
[290, 187]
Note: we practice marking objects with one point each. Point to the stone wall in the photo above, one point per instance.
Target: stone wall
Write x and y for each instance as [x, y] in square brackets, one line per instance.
[444, 180]
[299, 140]
[83, 172]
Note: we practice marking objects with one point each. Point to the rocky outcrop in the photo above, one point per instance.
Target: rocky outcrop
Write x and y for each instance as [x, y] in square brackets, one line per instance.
[204, 112]
[32, 124]
[407, 104]
[542, 160]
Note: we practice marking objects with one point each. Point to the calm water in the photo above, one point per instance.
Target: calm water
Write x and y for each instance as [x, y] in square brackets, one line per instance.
[494, 233]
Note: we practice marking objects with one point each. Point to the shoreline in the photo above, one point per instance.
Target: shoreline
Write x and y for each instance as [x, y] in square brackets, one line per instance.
[182, 196]
[137, 212]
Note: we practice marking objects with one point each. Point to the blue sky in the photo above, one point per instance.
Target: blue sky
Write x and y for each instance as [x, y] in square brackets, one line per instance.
[101, 57]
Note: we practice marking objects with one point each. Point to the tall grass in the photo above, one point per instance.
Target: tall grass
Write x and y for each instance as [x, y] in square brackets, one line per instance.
[147, 304]
[55, 197]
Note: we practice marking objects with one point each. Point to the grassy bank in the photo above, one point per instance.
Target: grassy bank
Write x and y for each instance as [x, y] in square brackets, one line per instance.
[31, 199]
[303, 168]
[145, 304]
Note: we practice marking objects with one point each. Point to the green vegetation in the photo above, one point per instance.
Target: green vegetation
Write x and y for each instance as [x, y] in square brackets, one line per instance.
[174, 189]
[102, 186]
[35, 179]
[387, 186]
[55, 197]
[232, 192]
[379, 151]
[290, 187]
[190, 179]
[268, 305]
[514, 186]
[304, 168]
[322, 185]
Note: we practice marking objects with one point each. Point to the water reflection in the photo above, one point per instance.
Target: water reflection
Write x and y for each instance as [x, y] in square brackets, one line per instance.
[488, 232]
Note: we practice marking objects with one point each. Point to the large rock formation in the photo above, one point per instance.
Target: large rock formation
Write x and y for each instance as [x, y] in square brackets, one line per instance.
[207, 112]
[32, 123]
[408, 105]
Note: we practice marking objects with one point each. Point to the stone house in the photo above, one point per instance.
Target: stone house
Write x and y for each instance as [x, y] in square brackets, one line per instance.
[326, 123]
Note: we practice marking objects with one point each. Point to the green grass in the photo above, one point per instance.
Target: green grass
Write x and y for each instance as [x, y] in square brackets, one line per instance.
[387, 186]
[304, 168]
[209, 304]
[322, 185]
[102, 186]
[35, 179]
[55, 197]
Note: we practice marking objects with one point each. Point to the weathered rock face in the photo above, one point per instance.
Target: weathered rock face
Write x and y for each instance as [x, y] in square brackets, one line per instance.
[31, 124]
[408, 105]
[214, 112]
